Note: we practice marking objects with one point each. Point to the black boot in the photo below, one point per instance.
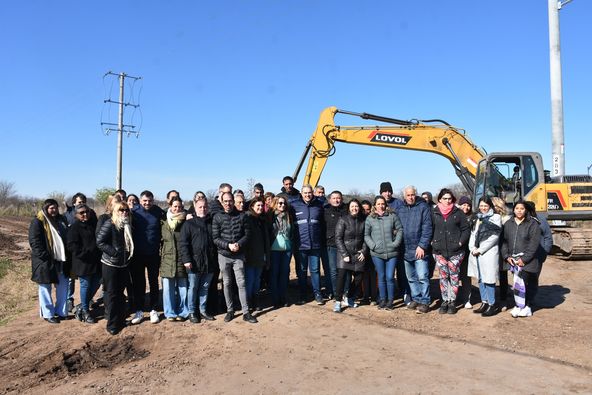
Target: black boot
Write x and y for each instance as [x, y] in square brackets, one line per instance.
[481, 308]
[490, 311]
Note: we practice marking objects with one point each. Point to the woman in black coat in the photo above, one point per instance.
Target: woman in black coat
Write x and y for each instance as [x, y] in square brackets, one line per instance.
[86, 258]
[49, 260]
[451, 234]
[351, 252]
[114, 239]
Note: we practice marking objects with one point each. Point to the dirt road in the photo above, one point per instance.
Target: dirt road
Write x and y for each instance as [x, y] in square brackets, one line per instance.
[310, 349]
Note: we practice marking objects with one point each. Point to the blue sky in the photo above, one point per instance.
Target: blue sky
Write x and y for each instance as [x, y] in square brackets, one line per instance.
[232, 90]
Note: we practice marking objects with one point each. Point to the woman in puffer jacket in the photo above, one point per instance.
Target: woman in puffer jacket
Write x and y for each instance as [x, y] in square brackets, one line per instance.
[114, 239]
[351, 253]
[451, 234]
[383, 234]
[172, 271]
[522, 235]
[484, 255]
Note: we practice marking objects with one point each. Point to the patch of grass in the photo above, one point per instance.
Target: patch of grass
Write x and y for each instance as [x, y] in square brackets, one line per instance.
[5, 266]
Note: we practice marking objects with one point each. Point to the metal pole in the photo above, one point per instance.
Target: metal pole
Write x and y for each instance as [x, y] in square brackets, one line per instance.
[558, 148]
[120, 131]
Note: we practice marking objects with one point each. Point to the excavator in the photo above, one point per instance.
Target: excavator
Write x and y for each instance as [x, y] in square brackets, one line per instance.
[565, 201]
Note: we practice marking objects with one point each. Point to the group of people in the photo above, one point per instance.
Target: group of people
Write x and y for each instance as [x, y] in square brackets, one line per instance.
[370, 252]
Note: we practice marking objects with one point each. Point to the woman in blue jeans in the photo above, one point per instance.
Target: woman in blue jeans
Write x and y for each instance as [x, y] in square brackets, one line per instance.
[257, 251]
[383, 235]
[282, 234]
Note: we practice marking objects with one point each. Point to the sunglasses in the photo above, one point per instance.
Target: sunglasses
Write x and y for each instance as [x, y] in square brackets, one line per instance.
[281, 203]
[124, 210]
[85, 212]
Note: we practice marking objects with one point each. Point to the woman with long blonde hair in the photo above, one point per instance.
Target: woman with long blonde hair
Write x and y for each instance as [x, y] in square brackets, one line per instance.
[114, 239]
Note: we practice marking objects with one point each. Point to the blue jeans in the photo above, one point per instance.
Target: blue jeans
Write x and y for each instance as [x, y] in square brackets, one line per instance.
[174, 297]
[253, 280]
[46, 307]
[309, 258]
[419, 280]
[385, 270]
[88, 287]
[487, 291]
[402, 281]
[329, 261]
[279, 275]
[199, 285]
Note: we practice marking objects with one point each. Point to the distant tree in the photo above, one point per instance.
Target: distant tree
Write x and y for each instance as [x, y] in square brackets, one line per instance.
[7, 192]
[250, 184]
[458, 189]
[211, 194]
[102, 194]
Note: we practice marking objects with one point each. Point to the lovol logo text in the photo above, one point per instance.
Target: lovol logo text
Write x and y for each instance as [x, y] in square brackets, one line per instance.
[388, 138]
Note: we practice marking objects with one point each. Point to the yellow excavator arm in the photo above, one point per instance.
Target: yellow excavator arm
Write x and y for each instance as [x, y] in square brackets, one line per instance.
[442, 139]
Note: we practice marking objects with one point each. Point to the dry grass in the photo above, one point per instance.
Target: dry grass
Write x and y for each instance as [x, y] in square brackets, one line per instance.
[17, 292]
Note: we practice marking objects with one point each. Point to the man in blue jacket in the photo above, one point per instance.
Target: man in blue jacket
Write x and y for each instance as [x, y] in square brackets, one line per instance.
[416, 218]
[146, 225]
[309, 221]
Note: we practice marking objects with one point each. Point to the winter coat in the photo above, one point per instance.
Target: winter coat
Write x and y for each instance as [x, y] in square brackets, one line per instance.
[111, 241]
[44, 269]
[230, 228]
[349, 238]
[383, 235]
[292, 196]
[309, 222]
[523, 238]
[546, 239]
[282, 232]
[332, 215]
[451, 235]
[257, 253]
[417, 226]
[197, 245]
[485, 238]
[82, 244]
[147, 229]
[171, 266]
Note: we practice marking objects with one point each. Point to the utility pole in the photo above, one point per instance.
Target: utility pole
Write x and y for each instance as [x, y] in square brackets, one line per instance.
[558, 146]
[120, 124]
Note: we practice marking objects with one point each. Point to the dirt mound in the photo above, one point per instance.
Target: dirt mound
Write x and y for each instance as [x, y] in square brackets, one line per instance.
[7, 242]
[61, 363]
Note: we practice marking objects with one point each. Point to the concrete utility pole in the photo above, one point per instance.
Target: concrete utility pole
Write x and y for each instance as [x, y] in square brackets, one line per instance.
[558, 148]
[120, 125]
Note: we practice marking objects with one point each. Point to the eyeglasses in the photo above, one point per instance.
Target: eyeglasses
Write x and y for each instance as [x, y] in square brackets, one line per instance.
[85, 212]
[124, 210]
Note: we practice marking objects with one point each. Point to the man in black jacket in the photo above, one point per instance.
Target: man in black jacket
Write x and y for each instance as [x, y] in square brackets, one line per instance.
[231, 235]
[333, 211]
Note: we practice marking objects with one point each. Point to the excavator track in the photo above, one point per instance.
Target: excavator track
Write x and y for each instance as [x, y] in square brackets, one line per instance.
[573, 243]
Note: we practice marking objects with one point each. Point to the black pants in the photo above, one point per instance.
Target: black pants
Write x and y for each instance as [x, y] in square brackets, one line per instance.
[139, 265]
[353, 288]
[503, 281]
[369, 283]
[115, 280]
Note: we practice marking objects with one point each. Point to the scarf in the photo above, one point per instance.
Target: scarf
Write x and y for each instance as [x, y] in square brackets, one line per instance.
[486, 227]
[54, 240]
[281, 223]
[173, 220]
[127, 236]
[445, 209]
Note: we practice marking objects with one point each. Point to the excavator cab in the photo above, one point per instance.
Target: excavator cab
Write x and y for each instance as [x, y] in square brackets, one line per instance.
[512, 176]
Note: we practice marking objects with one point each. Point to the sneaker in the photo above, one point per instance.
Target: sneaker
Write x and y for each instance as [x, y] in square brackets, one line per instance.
[525, 312]
[515, 311]
[351, 303]
[154, 317]
[229, 316]
[443, 308]
[337, 307]
[452, 308]
[412, 305]
[406, 299]
[319, 299]
[249, 318]
[171, 319]
[138, 317]
[468, 305]
[422, 308]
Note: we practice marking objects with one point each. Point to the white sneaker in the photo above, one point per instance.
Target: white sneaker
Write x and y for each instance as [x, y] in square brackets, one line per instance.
[515, 311]
[525, 312]
[406, 299]
[468, 305]
[154, 317]
[138, 317]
